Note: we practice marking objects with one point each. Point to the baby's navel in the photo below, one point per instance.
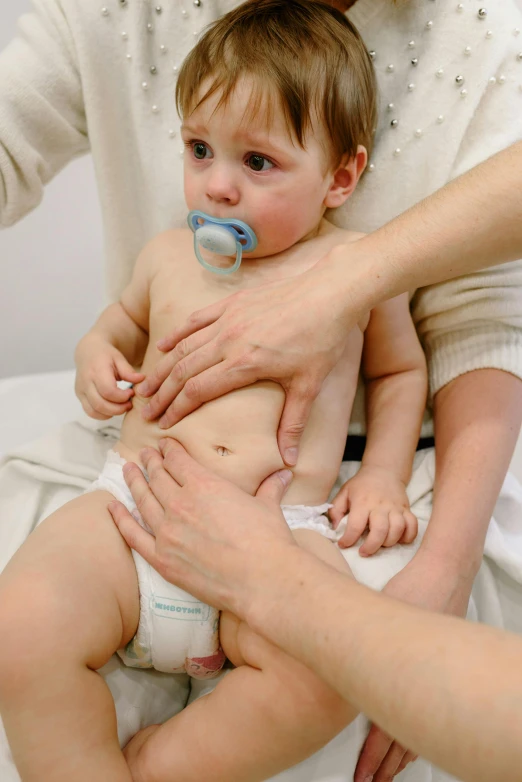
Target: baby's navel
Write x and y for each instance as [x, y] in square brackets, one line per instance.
[222, 451]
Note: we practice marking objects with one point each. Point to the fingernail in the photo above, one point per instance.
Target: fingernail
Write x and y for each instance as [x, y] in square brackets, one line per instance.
[285, 476]
[163, 423]
[291, 456]
[163, 443]
[368, 778]
[127, 468]
[146, 411]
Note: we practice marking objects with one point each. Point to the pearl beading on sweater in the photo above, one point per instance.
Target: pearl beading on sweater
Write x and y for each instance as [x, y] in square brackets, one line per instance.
[481, 16]
[163, 49]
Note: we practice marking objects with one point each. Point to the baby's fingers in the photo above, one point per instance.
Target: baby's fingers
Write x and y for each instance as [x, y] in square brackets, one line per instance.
[127, 372]
[341, 505]
[396, 529]
[356, 524]
[104, 406]
[90, 411]
[411, 527]
[105, 384]
[379, 526]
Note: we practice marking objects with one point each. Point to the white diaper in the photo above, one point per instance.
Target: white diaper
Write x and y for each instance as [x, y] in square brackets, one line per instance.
[176, 632]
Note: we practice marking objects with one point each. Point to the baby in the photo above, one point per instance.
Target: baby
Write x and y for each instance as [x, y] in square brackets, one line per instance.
[278, 109]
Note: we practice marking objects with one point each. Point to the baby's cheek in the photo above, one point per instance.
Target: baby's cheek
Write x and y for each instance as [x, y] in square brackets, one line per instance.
[279, 227]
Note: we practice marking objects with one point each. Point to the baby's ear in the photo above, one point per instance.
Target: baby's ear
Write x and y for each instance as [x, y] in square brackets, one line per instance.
[345, 178]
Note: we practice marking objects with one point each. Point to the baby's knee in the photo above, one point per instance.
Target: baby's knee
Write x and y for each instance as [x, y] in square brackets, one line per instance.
[139, 759]
[298, 691]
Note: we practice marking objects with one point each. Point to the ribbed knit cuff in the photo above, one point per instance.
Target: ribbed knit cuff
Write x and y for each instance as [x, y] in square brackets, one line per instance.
[489, 346]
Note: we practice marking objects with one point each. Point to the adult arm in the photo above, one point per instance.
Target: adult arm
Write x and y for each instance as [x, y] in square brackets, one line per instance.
[42, 118]
[450, 691]
[471, 330]
[267, 333]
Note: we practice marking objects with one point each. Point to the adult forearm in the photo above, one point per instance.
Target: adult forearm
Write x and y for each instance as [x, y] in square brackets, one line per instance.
[449, 691]
[477, 423]
[471, 223]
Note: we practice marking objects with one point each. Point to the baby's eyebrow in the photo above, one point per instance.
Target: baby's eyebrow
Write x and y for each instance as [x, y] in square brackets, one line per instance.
[195, 129]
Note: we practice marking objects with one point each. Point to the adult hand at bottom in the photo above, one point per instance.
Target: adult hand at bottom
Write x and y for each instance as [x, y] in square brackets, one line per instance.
[207, 533]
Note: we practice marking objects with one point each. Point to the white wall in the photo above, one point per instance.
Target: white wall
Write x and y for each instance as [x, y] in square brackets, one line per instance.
[51, 264]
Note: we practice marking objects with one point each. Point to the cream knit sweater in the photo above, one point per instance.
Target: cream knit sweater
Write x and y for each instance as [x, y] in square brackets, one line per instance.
[99, 76]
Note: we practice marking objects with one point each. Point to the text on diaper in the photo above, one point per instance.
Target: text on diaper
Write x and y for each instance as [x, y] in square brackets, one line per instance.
[180, 609]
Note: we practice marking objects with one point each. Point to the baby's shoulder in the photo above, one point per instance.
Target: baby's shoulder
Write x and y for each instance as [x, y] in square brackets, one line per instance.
[164, 251]
[169, 245]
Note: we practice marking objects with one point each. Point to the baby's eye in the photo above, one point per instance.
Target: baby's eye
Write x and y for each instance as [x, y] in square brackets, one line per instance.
[200, 150]
[259, 163]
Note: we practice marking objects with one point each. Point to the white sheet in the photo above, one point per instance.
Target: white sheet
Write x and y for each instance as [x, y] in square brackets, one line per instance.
[38, 476]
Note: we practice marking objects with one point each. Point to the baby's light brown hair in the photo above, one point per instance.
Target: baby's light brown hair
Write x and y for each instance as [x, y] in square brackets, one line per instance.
[305, 53]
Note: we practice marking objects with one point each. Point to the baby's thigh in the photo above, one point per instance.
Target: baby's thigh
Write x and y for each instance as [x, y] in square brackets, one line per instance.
[74, 583]
[323, 548]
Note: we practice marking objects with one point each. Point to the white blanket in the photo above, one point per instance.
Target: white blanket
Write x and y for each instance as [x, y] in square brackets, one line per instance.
[37, 478]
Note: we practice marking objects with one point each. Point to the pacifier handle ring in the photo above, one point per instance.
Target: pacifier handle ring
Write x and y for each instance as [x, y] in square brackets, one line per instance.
[216, 269]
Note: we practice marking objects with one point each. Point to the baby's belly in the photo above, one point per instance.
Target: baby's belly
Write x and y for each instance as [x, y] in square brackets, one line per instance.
[235, 436]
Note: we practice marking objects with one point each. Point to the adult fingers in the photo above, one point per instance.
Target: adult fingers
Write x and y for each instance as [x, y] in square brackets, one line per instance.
[166, 364]
[395, 529]
[164, 487]
[194, 364]
[179, 464]
[379, 526]
[198, 320]
[210, 384]
[298, 403]
[273, 488]
[135, 536]
[150, 509]
[390, 765]
[374, 751]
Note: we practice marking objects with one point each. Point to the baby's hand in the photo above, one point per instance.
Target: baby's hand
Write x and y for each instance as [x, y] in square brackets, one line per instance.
[99, 365]
[374, 498]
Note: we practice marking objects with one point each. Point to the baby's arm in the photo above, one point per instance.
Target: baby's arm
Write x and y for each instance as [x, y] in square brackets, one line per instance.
[394, 369]
[115, 345]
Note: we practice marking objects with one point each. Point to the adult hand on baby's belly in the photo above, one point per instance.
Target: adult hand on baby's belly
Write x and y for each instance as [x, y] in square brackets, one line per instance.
[263, 332]
[234, 436]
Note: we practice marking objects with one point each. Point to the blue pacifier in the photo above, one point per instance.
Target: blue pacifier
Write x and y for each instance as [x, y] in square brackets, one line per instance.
[225, 237]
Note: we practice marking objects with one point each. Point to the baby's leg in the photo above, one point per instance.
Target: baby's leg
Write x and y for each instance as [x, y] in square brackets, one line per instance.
[268, 714]
[68, 600]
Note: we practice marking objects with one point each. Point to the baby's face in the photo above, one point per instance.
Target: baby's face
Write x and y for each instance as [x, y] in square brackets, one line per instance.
[254, 171]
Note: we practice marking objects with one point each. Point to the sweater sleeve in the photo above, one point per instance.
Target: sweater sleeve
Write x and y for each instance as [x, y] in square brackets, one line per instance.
[475, 321]
[42, 117]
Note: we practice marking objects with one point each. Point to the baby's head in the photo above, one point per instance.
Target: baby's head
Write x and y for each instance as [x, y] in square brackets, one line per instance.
[278, 102]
